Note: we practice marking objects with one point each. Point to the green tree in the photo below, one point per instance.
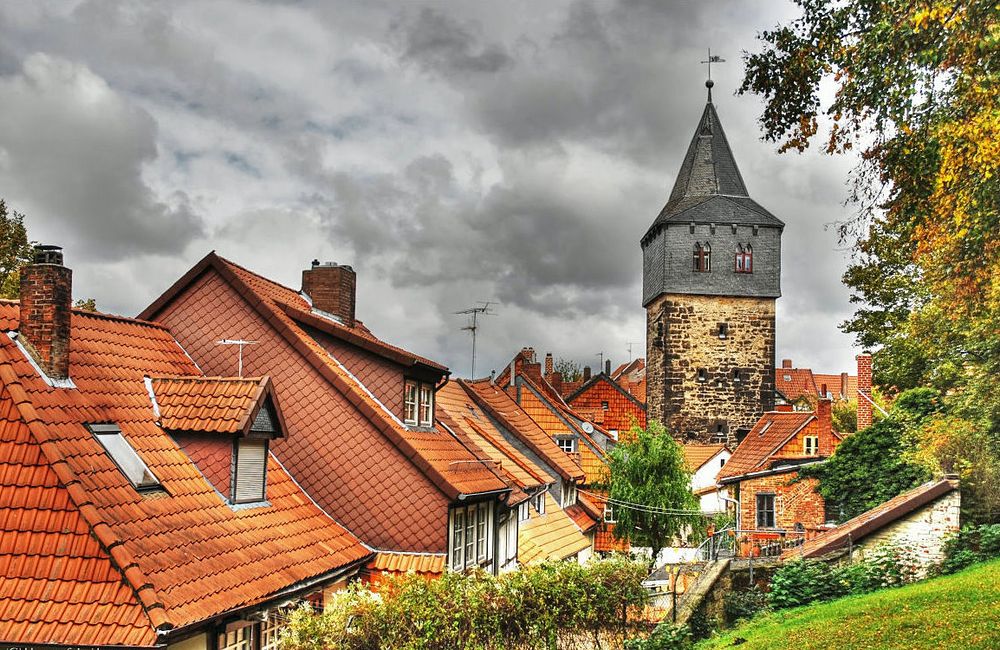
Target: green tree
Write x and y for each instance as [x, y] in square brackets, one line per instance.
[647, 469]
[915, 89]
[15, 250]
[845, 416]
[569, 369]
[872, 466]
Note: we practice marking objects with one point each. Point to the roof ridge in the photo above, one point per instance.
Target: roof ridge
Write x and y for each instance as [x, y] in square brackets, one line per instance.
[228, 261]
[98, 314]
[119, 556]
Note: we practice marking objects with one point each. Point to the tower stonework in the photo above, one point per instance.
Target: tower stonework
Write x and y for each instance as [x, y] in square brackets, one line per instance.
[711, 274]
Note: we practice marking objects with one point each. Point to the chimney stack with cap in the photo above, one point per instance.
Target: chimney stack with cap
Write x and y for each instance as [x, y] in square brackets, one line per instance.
[864, 390]
[548, 364]
[586, 373]
[786, 363]
[332, 289]
[46, 305]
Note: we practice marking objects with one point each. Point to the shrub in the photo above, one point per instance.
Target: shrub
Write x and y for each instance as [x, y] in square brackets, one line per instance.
[971, 545]
[546, 606]
[742, 605]
[665, 637]
[801, 582]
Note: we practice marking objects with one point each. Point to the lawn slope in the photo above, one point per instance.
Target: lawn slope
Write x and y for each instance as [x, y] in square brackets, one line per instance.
[957, 611]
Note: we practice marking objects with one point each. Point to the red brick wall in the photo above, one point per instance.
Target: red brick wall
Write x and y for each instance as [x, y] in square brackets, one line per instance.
[46, 304]
[331, 449]
[795, 501]
[864, 386]
[620, 411]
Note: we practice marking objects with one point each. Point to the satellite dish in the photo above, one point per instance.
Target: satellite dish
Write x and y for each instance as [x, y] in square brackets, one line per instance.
[587, 427]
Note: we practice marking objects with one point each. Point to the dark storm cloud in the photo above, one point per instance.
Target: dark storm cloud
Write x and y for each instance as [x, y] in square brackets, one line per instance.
[451, 151]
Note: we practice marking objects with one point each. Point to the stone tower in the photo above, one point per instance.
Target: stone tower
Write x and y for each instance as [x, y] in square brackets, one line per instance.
[711, 274]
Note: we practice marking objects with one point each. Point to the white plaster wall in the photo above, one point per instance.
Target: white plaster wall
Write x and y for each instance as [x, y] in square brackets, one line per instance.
[924, 530]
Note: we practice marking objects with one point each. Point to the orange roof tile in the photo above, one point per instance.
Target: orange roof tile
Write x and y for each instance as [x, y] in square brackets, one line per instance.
[497, 404]
[697, 455]
[606, 542]
[794, 383]
[604, 400]
[210, 404]
[439, 456]
[187, 554]
[393, 563]
[768, 434]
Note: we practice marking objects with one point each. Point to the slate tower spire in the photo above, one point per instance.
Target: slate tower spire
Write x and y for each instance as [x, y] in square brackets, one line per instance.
[711, 274]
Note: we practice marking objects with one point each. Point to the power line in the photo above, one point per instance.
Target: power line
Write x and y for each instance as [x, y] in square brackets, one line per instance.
[642, 507]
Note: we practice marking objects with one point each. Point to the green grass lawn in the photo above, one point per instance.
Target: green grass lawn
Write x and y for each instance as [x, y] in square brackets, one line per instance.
[956, 611]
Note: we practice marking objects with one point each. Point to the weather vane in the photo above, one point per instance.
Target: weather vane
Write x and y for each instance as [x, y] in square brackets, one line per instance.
[712, 58]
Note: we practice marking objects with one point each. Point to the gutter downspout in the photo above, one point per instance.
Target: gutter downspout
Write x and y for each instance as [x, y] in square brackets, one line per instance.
[718, 493]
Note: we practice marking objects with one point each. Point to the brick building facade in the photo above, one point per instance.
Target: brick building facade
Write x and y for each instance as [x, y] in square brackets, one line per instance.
[711, 274]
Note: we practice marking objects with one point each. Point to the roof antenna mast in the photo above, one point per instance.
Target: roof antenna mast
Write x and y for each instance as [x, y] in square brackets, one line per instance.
[241, 343]
[709, 83]
[483, 309]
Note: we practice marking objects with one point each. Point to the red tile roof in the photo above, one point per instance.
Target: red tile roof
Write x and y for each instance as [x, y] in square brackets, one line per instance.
[87, 559]
[623, 409]
[770, 432]
[210, 404]
[794, 383]
[390, 563]
[867, 523]
[512, 417]
[450, 466]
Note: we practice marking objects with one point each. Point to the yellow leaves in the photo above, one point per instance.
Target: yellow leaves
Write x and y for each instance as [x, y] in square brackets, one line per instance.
[946, 14]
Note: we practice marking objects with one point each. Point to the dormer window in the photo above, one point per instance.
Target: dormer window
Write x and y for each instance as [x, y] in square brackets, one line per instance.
[124, 456]
[702, 257]
[744, 258]
[249, 470]
[569, 494]
[418, 403]
[568, 445]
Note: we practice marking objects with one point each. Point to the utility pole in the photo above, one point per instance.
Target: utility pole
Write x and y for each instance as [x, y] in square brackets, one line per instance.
[473, 326]
[241, 343]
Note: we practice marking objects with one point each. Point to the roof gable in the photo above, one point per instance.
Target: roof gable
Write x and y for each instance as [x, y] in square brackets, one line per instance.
[768, 436]
[216, 405]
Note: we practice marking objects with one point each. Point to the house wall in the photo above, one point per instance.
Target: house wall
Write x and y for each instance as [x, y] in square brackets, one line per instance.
[331, 449]
[621, 410]
[197, 642]
[796, 502]
[924, 530]
[705, 476]
[795, 447]
[682, 336]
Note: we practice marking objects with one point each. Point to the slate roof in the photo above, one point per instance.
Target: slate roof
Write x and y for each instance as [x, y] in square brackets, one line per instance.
[856, 529]
[85, 559]
[211, 404]
[439, 456]
[709, 187]
[770, 432]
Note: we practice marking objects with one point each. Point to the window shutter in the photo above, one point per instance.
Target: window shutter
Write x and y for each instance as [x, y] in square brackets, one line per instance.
[251, 464]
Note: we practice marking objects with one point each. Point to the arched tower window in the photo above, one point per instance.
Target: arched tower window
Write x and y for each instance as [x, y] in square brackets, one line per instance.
[744, 258]
[702, 257]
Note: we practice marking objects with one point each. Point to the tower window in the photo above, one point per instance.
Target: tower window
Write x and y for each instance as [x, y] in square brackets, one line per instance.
[744, 258]
[736, 376]
[702, 374]
[723, 330]
[702, 257]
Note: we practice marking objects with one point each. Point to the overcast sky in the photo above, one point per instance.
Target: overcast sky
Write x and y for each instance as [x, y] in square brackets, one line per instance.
[452, 152]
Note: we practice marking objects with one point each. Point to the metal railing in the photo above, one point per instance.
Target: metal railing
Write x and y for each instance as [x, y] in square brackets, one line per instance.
[750, 543]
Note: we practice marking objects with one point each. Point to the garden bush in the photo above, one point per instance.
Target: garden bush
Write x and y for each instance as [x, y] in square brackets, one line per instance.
[666, 636]
[553, 605]
[971, 545]
[743, 605]
[801, 582]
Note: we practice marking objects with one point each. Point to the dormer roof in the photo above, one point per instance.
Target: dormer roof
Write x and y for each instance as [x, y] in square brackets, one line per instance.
[709, 187]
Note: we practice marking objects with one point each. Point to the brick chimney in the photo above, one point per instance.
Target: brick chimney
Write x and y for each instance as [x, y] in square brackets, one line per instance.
[607, 367]
[824, 415]
[548, 364]
[46, 305]
[332, 288]
[786, 363]
[864, 390]
[586, 373]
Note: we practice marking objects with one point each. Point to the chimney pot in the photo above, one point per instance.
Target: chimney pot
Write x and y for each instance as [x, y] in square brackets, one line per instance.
[46, 304]
[332, 288]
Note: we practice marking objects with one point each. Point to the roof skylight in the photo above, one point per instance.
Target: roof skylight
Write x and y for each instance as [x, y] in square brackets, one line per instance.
[125, 457]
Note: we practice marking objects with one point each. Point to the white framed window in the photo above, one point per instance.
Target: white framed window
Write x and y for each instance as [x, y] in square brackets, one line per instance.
[124, 456]
[568, 493]
[609, 514]
[567, 444]
[524, 511]
[471, 535]
[538, 503]
[410, 401]
[250, 470]
[426, 405]
[810, 445]
[240, 638]
[270, 631]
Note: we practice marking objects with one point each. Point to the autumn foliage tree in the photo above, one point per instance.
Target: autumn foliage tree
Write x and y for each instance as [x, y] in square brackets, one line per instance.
[912, 86]
[15, 250]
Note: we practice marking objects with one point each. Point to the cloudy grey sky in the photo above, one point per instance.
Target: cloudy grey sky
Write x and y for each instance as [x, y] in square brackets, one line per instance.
[451, 151]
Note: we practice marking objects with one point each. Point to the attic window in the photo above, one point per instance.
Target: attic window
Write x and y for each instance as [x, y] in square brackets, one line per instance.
[767, 425]
[787, 377]
[250, 470]
[418, 403]
[604, 406]
[124, 456]
[568, 445]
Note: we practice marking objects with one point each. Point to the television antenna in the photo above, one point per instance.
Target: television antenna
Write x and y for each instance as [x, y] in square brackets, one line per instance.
[238, 342]
[483, 309]
[600, 368]
[628, 346]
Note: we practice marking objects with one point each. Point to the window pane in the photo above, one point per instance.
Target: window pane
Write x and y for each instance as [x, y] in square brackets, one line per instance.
[457, 543]
[470, 536]
[124, 456]
[481, 534]
[410, 402]
[237, 639]
[426, 405]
